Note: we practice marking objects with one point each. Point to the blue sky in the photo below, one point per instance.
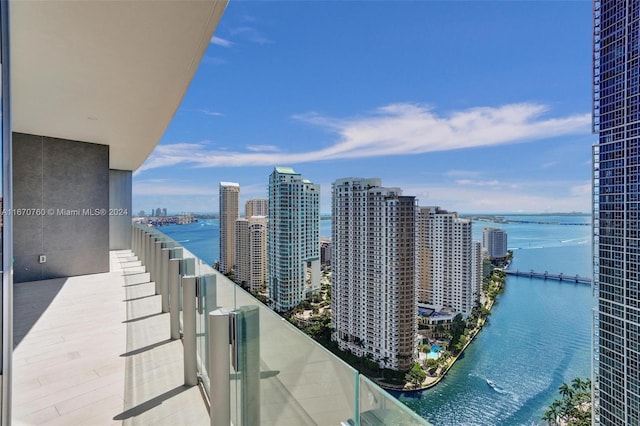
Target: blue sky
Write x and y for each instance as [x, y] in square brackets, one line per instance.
[474, 106]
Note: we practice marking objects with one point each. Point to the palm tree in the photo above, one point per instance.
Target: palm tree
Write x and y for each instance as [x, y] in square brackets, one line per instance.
[385, 361]
[552, 414]
[581, 385]
[566, 391]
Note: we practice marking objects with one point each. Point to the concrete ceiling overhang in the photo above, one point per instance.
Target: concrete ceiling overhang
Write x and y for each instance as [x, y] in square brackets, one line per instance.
[110, 72]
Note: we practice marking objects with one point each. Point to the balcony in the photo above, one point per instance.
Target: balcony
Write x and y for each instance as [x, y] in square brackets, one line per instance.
[142, 344]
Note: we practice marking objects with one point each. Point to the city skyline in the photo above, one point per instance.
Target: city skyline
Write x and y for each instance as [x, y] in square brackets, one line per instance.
[429, 96]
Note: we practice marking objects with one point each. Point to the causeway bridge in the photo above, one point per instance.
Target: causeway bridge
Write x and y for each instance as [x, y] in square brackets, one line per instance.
[547, 276]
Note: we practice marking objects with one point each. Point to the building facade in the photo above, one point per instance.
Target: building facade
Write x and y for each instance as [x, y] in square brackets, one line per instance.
[494, 240]
[616, 213]
[449, 270]
[251, 252]
[256, 207]
[476, 270]
[325, 251]
[373, 295]
[293, 247]
[229, 212]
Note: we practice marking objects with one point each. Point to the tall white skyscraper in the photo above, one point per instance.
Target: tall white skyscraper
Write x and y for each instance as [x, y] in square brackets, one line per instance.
[293, 247]
[373, 296]
[494, 240]
[229, 212]
[256, 207]
[447, 262]
[251, 252]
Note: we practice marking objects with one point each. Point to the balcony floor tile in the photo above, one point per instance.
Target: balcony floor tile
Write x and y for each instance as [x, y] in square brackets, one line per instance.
[90, 350]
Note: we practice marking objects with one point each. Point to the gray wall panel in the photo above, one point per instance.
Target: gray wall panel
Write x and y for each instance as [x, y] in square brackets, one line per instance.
[120, 183]
[26, 267]
[70, 181]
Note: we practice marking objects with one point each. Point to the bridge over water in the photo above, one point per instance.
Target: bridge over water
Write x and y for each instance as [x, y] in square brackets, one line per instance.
[547, 276]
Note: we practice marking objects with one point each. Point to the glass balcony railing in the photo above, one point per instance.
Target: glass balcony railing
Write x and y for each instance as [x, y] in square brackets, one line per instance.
[276, 374]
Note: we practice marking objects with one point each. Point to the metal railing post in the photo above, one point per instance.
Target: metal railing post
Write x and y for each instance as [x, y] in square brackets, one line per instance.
[165, 255]
[158, 264]
[151, 267]
[143, 248]
[219, 366]
[134, 239]
[189, 326]
[174, 297]
[147, 256]
[138, 241]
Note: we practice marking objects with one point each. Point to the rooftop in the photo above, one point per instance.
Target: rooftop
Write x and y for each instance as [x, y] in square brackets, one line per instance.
[286, 170]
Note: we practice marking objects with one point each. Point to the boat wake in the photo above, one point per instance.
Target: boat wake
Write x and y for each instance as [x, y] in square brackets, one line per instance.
[495, 387]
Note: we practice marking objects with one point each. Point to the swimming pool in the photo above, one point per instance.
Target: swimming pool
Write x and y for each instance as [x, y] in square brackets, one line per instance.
[435, 352]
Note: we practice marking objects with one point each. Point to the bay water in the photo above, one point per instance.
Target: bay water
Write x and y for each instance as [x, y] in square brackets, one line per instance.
[537, 337]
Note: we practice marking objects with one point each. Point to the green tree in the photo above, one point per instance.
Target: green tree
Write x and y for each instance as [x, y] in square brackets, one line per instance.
[574, 406]
[416, 375]
[552, 415]
[581, 385]
[566, 391]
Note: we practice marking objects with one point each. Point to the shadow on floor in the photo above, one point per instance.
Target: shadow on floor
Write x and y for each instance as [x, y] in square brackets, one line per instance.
[153, 402]
[30, 301]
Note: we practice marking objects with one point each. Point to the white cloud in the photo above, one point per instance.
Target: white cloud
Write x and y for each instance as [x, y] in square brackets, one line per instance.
[221, 42]
[251, 34]
[547, 196]
[549, 164]
[168, 187]
[477, 182]
[262, 148]
[463, 173]
[212, 113]
[583, 190]
[550, 196]
[396, 129]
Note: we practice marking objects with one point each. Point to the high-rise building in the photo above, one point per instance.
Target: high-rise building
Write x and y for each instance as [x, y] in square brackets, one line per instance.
[293, 247]
[325, 251]
[449, 277]
[476, 270]
[256, 207]
[229, 212]
[616, 213]
[251, 252]
[373, 295]
[494, 240]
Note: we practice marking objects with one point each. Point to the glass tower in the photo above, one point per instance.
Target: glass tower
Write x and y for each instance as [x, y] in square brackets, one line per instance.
[616, 211]
[293, 242]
